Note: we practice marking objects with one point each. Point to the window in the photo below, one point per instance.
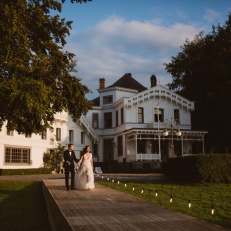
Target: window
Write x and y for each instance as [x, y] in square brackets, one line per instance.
[9, 132]
[44, 135]
[176, 115]
[159, 113]
[95, 150]
[141, 146]
[120, 145]
[82, 138]
[107, 99]
[58, 134]
[155, 147]
[117, 118]
[95, 120]
[52, 142]
[140, 115]
[122, 115]
[108, 150]
[107, 120]
[71, 136]
[17, 155]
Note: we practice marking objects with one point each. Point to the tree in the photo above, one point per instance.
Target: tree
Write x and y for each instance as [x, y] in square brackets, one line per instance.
[35, 71]
[202, 73]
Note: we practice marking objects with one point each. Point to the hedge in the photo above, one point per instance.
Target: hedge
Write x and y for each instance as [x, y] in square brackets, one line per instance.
[212, 168]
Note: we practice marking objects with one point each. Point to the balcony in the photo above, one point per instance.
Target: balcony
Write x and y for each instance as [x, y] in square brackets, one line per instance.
[142, 157]
[61, 117]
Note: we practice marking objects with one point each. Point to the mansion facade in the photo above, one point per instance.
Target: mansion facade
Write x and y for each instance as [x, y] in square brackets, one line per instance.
[128, 123]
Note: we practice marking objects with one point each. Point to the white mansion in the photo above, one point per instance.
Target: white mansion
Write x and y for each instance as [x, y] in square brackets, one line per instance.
[128, 123]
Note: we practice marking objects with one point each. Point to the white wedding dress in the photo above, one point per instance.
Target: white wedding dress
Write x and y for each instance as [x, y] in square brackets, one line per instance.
[84, 177]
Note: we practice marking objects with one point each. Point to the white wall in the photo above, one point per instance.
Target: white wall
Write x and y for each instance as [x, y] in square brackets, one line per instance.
[116, 92]
[38, 146]
[131, 113]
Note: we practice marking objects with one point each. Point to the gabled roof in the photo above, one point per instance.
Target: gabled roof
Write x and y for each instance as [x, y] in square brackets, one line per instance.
[126, 81]
[95, 101]
[159, 92]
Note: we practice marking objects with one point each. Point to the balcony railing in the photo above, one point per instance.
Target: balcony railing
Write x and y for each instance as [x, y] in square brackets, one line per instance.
[141, 157]
[89, 128]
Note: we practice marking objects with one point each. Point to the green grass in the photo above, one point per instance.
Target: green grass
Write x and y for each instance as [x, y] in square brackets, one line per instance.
[202, 197]
[22, 206]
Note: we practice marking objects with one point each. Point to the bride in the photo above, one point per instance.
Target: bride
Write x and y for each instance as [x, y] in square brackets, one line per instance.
[84, 177]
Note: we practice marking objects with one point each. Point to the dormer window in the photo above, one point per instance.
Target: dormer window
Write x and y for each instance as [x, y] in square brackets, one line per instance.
[107, 99]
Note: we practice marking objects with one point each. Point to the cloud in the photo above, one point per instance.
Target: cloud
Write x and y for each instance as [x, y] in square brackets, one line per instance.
[180, 14]
[210, 15]
[116, 46]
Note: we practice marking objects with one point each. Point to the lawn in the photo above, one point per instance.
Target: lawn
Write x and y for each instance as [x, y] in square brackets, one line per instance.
[209, 202]
[22, 206]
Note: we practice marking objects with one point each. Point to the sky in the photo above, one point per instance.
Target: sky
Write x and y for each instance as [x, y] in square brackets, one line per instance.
[113, 37]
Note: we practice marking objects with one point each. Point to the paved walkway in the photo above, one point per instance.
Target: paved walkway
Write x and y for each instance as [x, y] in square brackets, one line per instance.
[41, 177]
[107, 209]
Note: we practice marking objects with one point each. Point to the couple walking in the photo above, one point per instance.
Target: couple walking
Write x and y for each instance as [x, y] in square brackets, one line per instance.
[84, 177]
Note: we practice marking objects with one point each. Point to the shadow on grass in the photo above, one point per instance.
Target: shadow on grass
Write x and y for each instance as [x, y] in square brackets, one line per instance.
[23, 206]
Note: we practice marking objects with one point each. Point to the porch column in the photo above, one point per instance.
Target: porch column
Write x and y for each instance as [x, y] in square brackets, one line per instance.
[136, 147]
[124, 146]
[203, 148]
[159, 145]
[182, 145]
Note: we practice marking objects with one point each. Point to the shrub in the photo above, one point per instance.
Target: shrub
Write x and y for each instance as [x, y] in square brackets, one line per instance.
[212, 168]
[54, 159]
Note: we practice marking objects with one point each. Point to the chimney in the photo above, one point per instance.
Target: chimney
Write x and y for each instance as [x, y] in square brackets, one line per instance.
[101, 83]
[153, 80]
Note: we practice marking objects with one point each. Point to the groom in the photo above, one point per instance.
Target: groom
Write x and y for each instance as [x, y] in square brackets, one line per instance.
[69, 158]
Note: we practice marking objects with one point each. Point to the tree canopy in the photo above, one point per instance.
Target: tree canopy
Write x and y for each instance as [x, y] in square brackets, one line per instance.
[35, 72]
[201, 71]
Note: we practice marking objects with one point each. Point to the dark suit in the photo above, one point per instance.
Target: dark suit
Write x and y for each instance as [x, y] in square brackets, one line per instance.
[69, 168]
